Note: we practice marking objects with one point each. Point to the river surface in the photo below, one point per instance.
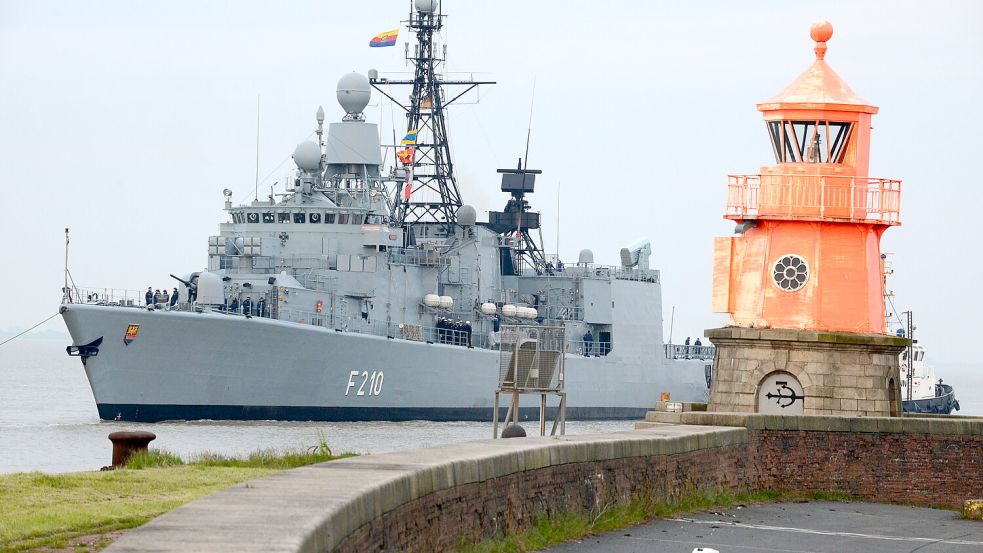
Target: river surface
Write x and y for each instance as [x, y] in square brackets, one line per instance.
[49, 423]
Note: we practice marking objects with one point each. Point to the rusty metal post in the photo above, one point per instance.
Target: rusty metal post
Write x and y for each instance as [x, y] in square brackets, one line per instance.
[126, 444]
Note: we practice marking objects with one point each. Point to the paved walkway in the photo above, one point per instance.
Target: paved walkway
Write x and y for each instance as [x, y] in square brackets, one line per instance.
[818, 527]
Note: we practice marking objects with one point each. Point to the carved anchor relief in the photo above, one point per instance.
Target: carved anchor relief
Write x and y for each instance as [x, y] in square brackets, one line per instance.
[791, 397]
[780, 393]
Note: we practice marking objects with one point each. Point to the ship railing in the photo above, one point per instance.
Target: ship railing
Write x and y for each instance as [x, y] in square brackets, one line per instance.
[676, 351]
[108, 296]
[589, 348]
[417, 256]
[814, 197]
[592, 271]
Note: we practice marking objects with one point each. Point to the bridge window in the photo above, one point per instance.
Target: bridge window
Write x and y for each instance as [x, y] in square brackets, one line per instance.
[329, 218]
[314, 217]
[268, 217]
[357, 219]
[300, 217]
[809, 141]
[252, 217]
[283, 217]
[342, 218]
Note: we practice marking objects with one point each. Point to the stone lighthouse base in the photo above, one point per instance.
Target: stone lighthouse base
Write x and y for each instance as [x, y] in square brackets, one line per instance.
[805, 372]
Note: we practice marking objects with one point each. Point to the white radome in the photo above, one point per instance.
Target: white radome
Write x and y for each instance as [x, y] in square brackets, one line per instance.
[425, 6]
[466, 215]
[307, 156]
[354, 92]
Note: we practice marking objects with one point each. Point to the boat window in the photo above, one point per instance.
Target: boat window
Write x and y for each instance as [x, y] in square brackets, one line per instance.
[373, 219]
[329, 218]
[268, 217]
[809, 141]
[283, 217]
[314, 217]
[252, 217]
[342, 218]
[300, 217]
[357, 219]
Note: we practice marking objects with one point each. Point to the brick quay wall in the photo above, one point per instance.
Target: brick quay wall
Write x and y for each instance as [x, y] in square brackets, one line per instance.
[430, 499]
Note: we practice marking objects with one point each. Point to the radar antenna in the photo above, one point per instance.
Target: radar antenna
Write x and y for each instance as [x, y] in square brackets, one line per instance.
[434, 196]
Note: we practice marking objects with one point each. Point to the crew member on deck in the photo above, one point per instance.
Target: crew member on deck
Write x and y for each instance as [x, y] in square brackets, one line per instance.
[149, 298]
[588, 343]
[247, 305]
[174, 297]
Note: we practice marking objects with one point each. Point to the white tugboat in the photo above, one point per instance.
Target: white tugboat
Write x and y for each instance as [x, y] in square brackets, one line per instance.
[370, 291]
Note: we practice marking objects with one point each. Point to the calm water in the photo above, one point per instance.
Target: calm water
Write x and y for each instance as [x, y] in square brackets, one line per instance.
[48, 421]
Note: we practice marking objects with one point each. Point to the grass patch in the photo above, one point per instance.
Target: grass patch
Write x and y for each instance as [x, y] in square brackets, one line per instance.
[570, 525]
[41, 510]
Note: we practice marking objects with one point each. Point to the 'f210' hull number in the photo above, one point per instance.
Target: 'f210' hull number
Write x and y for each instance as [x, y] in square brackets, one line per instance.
[364, 383]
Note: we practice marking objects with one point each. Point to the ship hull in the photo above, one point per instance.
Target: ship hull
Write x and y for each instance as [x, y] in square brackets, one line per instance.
[188, 366]
[943, 404]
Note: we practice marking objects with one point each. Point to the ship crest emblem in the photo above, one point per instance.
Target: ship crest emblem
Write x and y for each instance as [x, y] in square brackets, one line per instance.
[131, 334]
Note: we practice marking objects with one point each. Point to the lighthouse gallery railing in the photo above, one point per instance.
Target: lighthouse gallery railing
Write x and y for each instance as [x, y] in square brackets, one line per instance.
[811, 197]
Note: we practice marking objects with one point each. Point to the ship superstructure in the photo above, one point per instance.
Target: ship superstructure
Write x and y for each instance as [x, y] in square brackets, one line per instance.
[372, 292]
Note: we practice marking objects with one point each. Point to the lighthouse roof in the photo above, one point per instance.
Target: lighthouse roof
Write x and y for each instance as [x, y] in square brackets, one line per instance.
[819, 87]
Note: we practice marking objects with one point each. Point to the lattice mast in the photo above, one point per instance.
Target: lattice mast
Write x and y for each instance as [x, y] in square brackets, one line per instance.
[434, 195]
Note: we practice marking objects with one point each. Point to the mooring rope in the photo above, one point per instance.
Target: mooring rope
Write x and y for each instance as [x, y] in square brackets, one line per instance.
[30, 329]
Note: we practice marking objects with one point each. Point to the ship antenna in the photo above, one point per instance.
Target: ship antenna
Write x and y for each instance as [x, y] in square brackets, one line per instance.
[256, 196]
[532, 102]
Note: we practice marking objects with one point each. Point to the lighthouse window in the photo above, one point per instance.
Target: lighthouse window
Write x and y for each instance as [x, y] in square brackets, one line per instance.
[283, 217]
[790, 272]
[809, 141]
[300, 217]
[268, 217]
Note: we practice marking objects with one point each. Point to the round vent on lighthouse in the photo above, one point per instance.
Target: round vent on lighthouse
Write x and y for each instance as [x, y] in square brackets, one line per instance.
[790, 272]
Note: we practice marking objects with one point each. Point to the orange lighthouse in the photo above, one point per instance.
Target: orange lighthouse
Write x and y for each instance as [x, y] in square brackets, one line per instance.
[808, 253]
[801, 277]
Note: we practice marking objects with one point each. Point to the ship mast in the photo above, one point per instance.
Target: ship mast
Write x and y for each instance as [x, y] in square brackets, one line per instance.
[434, 196]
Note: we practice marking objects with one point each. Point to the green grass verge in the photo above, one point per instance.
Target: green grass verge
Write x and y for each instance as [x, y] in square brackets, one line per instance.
[570, 525]
[38, 510]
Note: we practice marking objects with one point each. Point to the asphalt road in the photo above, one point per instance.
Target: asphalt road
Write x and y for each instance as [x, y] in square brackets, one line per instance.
[819, 527]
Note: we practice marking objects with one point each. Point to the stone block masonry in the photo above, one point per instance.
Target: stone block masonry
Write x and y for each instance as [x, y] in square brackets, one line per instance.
[429, 499]
[807, 372]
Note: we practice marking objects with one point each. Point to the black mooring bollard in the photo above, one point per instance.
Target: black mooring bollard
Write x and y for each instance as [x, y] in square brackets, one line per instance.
[128, 443]
[514, 431]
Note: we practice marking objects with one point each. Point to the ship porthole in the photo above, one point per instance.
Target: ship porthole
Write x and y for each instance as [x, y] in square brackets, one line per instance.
[790, 273]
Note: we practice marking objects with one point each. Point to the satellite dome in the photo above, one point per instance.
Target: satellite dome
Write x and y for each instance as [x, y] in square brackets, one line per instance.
[466, 215]
[586, 256]
[354, 92]
[307, 156]
[425, 6]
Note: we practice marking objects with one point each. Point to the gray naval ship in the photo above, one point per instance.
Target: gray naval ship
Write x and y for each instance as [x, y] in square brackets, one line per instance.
[369, 291]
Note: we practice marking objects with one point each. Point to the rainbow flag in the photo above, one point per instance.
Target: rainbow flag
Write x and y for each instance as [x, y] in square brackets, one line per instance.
[410, 138]
[387, 38]
[406, 155]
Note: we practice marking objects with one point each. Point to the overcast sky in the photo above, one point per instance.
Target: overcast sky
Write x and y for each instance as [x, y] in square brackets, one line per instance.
[125, 120]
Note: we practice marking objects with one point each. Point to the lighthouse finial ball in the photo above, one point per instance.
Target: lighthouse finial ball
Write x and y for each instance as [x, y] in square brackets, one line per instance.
[821, 31]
